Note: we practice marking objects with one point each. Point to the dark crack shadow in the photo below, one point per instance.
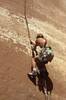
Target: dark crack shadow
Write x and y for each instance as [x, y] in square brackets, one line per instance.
[44, 81]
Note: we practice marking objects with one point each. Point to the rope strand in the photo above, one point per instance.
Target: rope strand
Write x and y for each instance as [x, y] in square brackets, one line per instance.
[25, 14]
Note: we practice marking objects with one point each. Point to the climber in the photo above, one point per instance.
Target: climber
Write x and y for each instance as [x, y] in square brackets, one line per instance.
[40, 52]
[40, 42]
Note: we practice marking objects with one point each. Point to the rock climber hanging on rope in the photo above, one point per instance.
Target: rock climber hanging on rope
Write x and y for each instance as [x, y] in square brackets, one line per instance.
[45, 54]
[40, 52]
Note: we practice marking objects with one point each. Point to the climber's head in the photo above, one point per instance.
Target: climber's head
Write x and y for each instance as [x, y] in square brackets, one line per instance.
[39, 36]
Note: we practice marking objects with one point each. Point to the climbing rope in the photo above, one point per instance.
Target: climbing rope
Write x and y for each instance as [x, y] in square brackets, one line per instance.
[47, 94]
[47, 97]
[25, 14]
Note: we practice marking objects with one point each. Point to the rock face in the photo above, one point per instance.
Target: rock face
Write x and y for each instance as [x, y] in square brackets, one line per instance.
[45, 16]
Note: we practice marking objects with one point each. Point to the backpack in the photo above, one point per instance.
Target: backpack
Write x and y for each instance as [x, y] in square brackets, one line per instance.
[46, 55]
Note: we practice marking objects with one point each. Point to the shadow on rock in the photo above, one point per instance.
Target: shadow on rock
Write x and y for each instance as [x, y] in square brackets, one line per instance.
[45, 84]
[42, 79]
